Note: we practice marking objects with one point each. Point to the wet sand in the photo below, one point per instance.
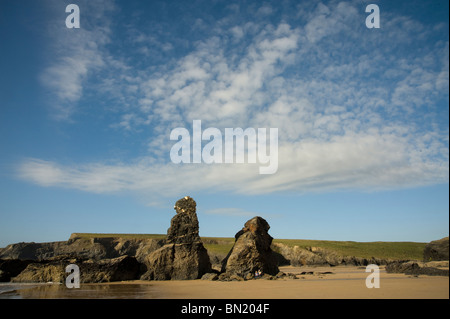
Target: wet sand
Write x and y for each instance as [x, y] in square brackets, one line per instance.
[343, 283]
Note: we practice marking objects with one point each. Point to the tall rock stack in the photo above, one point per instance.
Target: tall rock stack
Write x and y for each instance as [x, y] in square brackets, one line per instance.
[251, 251]
[183, 256]
[184, 225]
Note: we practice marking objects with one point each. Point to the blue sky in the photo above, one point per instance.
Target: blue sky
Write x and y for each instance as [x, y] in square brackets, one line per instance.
[362, 117]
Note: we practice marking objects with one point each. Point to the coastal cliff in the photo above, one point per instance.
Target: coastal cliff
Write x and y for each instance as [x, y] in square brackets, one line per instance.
[92, 247]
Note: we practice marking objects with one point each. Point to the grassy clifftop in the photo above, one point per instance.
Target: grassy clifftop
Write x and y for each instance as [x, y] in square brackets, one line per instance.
[379, 249]
[124, 236]
[222, 245]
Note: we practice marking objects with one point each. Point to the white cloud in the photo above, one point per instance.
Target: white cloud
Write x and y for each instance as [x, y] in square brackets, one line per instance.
[328, 21]
[215, 87]
[349, 111]
[366, 162]
[77, 52]
[265, 10]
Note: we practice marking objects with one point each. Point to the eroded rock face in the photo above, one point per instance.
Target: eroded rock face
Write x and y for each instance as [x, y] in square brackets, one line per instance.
[251, 251]
[84, 248]
[177, 262]
[414, 268]
[436, 250]
[184, 256]
[184, 225]
[91, 271]
[11, 268]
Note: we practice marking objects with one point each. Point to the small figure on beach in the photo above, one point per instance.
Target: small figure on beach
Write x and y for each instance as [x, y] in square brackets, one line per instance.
[258, 273]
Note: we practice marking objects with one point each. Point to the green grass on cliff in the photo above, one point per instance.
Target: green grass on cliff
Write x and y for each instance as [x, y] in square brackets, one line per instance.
[125, 236]
[217, 245]
[379, 249]
[382, 250]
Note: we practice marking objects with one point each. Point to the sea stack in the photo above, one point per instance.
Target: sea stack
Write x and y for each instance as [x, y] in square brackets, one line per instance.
[251, 251]
[183, 256]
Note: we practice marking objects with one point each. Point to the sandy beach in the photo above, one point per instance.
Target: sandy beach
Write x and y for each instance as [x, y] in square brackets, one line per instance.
[343, 282]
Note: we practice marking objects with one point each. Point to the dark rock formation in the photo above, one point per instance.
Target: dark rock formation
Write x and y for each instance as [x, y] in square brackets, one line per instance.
[413, 268]
[84, 248]
[11, 268]
[317, 256]
[91, 271]
[30, 251]
[211, 276]
[184, 225]
[107, 270]
[45, 271]
[436, 250]
[251, 251]
[177, 262]
[184, 256]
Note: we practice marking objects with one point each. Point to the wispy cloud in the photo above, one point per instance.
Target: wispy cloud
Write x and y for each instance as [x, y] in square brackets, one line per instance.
[75, 54]
[372, 162]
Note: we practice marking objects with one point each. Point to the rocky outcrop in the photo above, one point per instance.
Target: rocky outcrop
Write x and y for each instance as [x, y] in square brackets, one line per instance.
[416, 268]
[84, 248]
[436, 250]
[107, 270]
[91, 271]
[317, 256]
[30, 251]
[48, 271]
[297, 256]
[177, 262]
[251, 251]
[11, 268]
[184, 228]
[210, 276]
[184, 256]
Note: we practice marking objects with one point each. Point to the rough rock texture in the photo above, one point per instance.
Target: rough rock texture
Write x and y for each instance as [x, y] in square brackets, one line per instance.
[211, 276]
[177, 262]
[414, 268]
[317, 256]
[436, 250]
[30, 251]
[107, 270]
[184, 225]
[184, 256]
[48, 271]
[91, 271]
[11, 268]
[85, 248]
[251, 251]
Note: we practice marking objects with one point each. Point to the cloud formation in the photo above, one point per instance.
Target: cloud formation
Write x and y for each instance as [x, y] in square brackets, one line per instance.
[78, 52]
[355, 108]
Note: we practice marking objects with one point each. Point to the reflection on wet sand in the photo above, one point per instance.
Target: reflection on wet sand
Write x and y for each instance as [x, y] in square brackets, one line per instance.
[88, 291]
